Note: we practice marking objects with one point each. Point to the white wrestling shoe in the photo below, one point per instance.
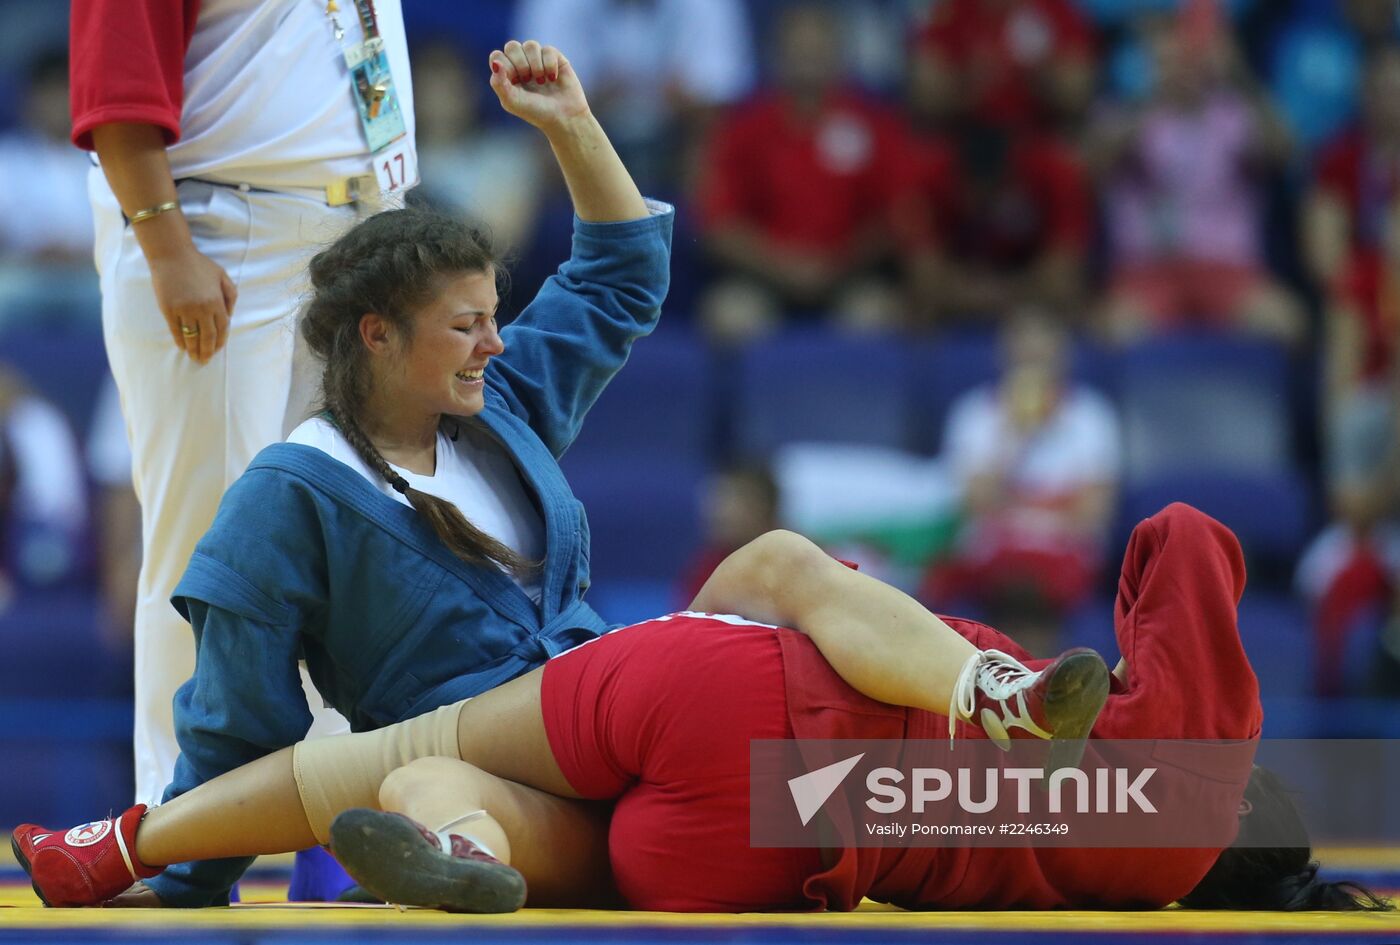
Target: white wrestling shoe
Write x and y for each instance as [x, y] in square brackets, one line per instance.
[1060, 702]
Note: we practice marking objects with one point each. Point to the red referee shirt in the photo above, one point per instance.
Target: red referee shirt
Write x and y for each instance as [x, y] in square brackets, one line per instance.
[127, 63]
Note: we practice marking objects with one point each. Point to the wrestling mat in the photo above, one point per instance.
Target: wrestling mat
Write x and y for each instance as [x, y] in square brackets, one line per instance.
[265, 918]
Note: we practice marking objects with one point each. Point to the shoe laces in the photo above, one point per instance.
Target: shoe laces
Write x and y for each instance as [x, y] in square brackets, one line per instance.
[454, 844]
[997, 674]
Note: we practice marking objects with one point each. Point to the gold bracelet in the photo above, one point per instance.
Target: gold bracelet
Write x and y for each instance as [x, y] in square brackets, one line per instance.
[155, 211]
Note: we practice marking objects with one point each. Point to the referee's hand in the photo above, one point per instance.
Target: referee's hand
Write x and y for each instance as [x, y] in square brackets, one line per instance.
[196, 296]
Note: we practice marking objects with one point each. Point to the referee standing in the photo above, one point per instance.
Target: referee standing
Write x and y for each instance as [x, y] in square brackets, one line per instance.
[231, 138]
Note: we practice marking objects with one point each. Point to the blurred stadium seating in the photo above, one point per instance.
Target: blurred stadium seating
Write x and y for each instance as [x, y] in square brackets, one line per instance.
[1208, 421]
[637, 467]
[815, 386]
[62, 360]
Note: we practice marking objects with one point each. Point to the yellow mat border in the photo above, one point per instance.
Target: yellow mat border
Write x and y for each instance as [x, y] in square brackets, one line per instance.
[24, 912]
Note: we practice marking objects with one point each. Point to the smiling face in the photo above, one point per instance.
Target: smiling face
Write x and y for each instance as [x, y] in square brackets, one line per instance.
[438, 369]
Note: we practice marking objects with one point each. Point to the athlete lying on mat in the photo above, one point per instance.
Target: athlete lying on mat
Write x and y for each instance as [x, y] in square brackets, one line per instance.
[655, 720]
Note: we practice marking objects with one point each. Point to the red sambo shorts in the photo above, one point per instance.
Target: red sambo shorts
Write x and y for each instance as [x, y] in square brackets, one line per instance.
[658, 716]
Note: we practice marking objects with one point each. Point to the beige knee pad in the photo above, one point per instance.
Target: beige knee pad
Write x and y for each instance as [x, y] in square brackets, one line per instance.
[344, 771]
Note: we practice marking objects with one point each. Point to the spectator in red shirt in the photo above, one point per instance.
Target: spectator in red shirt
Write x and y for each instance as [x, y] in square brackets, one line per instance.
[1351, 236]
[1001, 221]
[794, 192]
[1015, 63]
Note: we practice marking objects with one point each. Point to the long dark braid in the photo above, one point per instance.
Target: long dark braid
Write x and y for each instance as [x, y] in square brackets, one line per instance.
[391, 264]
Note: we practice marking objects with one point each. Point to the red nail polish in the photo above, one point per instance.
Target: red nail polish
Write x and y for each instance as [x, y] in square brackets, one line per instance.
[539, 80]
[495, 67]
[554, 77]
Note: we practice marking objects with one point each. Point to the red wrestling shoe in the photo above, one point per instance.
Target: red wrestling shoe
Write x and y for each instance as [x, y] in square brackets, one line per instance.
[1060, 702]
[85, 866]
[398, 860]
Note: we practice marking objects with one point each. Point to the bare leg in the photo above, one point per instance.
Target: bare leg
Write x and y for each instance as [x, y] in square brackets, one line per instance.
[251, 810]
[559, 845]
[502, 731]
[880, 640]
[257, 808]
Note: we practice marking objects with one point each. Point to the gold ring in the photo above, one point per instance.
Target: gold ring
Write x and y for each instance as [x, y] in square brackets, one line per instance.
[189, 330]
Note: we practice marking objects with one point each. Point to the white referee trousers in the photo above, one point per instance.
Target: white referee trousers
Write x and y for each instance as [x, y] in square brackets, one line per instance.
[194, 429]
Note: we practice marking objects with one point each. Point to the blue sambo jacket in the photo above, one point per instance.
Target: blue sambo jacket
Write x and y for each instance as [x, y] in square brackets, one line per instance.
[307, 560]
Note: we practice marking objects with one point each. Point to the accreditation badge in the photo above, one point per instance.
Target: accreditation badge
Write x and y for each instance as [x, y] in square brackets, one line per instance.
[375, 95]
[377, 100]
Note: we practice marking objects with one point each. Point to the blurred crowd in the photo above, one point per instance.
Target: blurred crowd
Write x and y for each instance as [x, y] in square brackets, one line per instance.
[1051, 173]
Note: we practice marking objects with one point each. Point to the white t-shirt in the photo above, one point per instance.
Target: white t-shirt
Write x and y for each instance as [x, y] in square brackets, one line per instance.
[473, 472]
[267, 93]
[44, 204]
[1078, 445]
[50, 486]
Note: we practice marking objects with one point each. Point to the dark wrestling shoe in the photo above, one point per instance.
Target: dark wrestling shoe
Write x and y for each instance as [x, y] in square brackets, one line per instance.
[1060, 702]
[399, 860]
[85, 866]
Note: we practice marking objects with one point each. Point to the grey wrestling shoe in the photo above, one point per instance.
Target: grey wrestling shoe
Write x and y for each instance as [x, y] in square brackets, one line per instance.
[400, 861]
[1060, 702]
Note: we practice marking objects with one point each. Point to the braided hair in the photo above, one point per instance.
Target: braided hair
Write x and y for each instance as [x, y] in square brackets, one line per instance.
[1279, 878]
[393, 264]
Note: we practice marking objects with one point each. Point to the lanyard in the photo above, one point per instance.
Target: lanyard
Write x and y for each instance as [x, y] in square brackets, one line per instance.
[372, 85]
[369, 20]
